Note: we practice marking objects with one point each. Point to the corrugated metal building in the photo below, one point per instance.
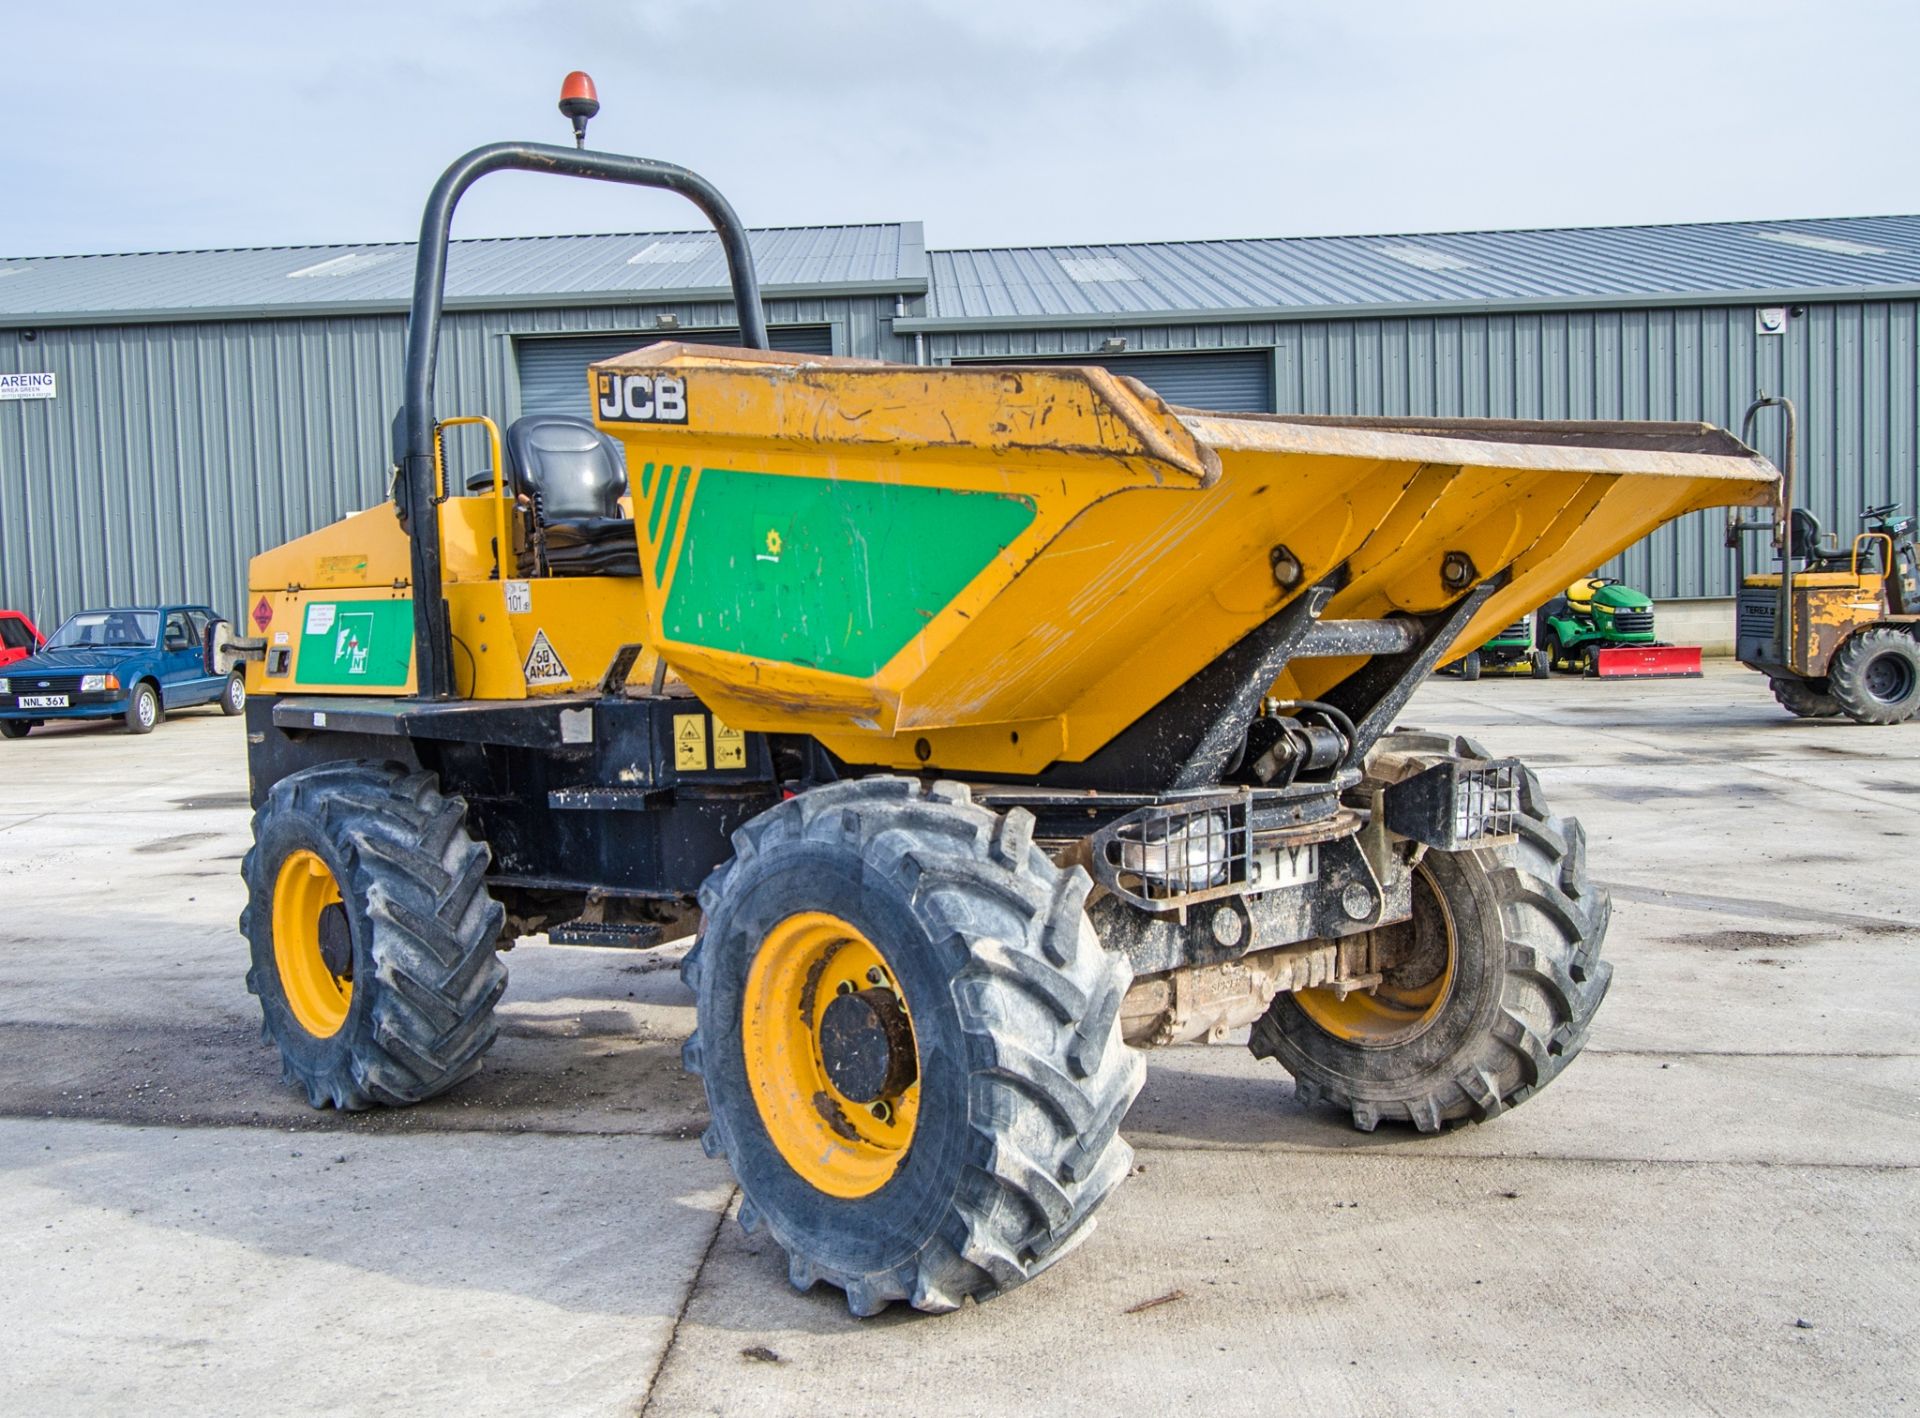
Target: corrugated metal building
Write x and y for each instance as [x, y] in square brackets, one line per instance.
[212, 403]
[209, 404]
[1674, 322]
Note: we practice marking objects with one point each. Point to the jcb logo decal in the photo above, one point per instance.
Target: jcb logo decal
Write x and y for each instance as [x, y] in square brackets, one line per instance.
[642, 398]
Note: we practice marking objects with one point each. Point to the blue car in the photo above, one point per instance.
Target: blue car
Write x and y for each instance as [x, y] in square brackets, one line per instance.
[135, 663]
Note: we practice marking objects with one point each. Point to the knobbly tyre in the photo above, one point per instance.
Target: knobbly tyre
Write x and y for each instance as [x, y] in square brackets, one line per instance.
[988, 725]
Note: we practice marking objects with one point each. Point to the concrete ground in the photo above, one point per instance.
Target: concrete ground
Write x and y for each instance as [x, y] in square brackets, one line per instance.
[1713, 1211]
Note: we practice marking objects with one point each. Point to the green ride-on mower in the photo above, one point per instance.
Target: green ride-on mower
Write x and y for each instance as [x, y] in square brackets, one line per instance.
[1603, 627]
[1511, 652]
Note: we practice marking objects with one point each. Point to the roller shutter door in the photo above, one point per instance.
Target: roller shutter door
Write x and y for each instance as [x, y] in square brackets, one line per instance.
[1232, 381]
[553, 373]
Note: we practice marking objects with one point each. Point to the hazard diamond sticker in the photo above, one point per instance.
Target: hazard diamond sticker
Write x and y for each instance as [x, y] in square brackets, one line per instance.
[263, 615]
[543, 664]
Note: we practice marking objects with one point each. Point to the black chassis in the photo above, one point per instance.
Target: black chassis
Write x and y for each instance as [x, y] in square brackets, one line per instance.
[598, 837]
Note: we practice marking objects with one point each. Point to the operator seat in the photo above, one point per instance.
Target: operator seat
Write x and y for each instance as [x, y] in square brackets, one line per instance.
[574, 476]
[1820, 550]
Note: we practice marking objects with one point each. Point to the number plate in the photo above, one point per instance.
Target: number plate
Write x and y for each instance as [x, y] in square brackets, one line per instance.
[1271, 868]
[43, 701]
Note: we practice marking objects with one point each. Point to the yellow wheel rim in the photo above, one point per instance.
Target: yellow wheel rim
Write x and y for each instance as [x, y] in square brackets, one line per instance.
[1403, 1004]
[319, 999]
[840, 1145]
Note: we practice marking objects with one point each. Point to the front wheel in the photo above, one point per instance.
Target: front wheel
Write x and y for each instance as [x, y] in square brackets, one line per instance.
[373, 935]
[15, 728]
[1498, 979]
[909, 1038]
[1537, 663]
[1874, 676]
[233, 699]
[1804, 698]
[1470, 665]
[143, 710]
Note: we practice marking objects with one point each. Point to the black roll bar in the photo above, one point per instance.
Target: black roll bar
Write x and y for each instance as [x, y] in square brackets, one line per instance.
[413, 426]
[1781, 526]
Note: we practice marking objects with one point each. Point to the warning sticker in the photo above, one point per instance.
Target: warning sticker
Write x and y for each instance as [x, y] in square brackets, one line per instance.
[729, 746]
[690, 742]
[519, 598]
[320, 617]
[543, 664]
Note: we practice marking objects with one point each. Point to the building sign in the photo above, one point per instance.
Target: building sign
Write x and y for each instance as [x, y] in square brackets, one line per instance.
[27, 386]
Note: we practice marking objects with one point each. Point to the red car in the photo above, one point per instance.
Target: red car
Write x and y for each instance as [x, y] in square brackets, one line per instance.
[18, 638]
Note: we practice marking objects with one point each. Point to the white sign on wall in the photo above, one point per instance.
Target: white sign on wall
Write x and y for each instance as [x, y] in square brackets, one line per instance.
[27, 386]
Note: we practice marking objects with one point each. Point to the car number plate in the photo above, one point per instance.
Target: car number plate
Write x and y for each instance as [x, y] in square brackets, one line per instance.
[43, 701]
[1270, 868]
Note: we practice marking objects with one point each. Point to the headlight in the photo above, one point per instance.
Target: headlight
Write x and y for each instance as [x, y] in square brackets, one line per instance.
[1190, 857]
[94, 684]
[6, 685]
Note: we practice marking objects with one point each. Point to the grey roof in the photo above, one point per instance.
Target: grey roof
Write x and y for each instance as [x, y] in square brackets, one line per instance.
[294, 280]
[1290, 276]
[1008, 287]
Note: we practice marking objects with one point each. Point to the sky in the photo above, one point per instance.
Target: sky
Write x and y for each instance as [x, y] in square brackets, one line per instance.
[136, 127]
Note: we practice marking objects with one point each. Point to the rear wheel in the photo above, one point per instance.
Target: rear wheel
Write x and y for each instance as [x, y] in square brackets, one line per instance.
[143, 709]
[15, 728]
[233, 699]
[1874, 676]
[1498, 979]
[910, 1043]
[372, 934]
[1805, 698]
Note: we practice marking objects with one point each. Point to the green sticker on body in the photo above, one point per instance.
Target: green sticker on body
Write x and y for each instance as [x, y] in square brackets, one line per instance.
[833, 575]
[356, 643]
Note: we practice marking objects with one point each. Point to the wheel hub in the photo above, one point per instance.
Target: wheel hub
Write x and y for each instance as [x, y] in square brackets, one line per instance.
[830, 1054]
[1889, 679]
[336, 941]
[866, 1044]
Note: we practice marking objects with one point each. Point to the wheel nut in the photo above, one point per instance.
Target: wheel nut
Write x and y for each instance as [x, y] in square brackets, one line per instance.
[876, 976]
[883, 1112]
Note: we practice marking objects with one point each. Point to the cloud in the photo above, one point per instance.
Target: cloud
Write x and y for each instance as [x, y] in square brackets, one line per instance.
[998, 121]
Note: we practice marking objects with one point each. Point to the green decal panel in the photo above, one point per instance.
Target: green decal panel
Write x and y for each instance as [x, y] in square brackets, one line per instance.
[838, 576]
[367, 644]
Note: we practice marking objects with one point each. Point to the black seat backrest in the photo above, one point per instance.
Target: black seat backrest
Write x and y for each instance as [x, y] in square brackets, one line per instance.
[572, 470]
[1805, 540]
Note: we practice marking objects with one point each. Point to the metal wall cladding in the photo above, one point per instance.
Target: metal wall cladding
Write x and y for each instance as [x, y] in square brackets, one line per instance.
[176, 452]
[1850, 367]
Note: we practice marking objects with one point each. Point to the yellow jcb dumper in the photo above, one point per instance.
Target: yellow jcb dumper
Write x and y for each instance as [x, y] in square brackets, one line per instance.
[988, 725]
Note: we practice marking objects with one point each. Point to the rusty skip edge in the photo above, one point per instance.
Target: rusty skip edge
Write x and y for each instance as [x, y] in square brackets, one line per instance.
[1136, 422]
[1696, 451]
